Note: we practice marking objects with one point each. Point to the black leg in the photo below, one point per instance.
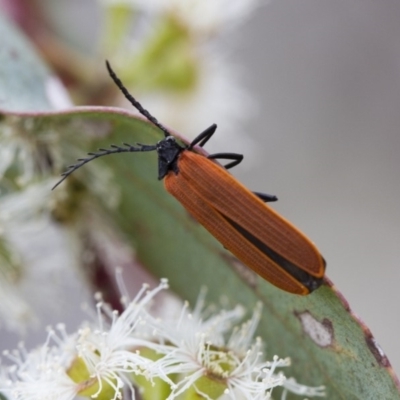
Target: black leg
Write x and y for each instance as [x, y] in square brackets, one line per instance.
[266, 198]
[203, 137]
[237, 158]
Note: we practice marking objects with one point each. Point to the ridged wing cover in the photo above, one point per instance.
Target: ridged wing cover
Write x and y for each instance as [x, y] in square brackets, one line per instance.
[207, 190]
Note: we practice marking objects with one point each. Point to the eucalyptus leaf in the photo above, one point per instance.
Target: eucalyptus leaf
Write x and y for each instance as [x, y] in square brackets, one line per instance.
[327, 343]
[25, 82]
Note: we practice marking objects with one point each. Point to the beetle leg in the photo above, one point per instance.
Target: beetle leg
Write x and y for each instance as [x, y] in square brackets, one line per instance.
[203, 137]
[266, 198]
[236, 158]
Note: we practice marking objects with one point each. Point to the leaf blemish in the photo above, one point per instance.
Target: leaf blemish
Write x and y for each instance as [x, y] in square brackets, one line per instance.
[376, 350]
[321, 333]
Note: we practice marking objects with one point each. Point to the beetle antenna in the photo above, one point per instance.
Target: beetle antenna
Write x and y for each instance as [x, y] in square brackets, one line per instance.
[134, 102]
[100, 153]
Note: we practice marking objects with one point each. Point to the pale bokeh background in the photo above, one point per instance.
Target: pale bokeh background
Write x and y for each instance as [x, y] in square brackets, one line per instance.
[326, 75]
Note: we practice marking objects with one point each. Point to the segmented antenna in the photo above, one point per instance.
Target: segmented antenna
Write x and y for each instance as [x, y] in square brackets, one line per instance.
[134, 102]
[103, 152]
[116, 149]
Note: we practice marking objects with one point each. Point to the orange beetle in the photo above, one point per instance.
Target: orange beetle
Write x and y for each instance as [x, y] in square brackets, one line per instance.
[255, 233]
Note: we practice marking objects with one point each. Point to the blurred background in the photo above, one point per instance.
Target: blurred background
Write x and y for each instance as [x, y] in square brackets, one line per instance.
[309, 91]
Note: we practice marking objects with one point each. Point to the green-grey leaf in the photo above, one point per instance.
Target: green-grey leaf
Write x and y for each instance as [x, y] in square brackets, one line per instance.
[327, 344]
[24, 80]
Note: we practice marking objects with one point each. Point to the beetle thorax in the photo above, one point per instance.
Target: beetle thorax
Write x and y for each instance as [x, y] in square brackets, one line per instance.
[168, 150]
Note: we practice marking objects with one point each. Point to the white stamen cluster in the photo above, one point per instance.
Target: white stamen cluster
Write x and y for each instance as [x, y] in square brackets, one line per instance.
[187, 350]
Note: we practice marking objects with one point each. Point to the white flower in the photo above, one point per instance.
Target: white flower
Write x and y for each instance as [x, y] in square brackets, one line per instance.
[199, 349]
[113, 349]
[292, 386]
[39, 248]
[15, 311]
[37, 252]
[201, 352]
[40, 374]
[199, 15]
[110, 351]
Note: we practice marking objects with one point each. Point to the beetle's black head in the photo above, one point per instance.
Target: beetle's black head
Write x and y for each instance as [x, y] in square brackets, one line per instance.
[168, 151]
